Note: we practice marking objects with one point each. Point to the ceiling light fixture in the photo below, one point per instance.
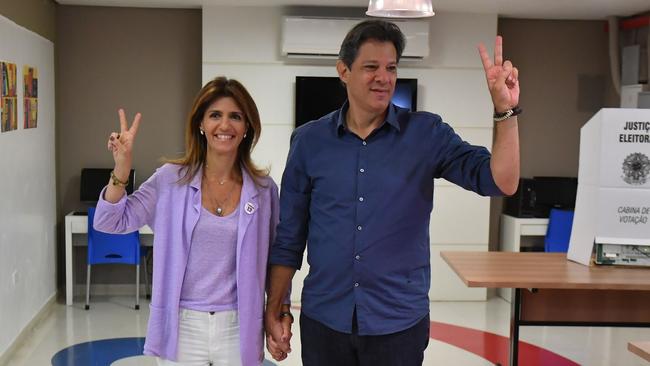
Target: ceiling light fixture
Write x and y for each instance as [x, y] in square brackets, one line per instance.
[400, 8]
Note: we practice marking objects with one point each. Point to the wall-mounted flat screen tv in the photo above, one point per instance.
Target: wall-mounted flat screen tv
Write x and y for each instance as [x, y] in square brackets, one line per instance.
[317, 96]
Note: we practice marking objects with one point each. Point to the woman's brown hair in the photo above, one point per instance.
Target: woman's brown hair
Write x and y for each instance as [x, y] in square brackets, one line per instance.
[196, 144]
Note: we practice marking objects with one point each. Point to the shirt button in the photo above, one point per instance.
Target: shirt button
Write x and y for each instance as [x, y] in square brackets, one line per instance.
[357, 257]
[362, 170]
[364, 143]
[359, 228]
[356, 284]
[360, 199]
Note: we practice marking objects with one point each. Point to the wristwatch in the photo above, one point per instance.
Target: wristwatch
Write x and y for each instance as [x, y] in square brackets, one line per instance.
[498, 117]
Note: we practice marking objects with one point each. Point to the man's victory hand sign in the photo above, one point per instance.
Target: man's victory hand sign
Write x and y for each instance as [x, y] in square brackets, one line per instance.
[502, 78]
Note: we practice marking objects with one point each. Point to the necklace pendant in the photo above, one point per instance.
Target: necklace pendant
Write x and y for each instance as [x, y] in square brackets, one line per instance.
[219, 211]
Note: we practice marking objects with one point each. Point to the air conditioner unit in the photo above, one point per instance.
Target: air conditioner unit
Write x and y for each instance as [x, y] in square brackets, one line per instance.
[314, 37]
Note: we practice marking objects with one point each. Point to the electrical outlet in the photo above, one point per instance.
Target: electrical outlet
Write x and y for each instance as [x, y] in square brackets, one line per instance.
[14, 277]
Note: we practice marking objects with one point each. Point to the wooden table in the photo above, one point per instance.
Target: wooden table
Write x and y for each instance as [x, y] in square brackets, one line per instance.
[560, 292]
[641, 349]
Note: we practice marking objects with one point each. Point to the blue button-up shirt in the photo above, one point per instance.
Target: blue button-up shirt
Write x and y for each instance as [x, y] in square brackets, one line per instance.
[363, 208]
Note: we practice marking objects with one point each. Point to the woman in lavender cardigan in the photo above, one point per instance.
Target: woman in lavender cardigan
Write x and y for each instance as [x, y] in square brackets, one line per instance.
[213, 213]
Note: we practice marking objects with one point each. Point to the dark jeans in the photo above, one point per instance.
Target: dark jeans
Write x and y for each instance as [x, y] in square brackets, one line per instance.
[322, 346]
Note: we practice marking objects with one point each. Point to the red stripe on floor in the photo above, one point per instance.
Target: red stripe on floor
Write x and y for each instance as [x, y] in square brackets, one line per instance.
[493, 347]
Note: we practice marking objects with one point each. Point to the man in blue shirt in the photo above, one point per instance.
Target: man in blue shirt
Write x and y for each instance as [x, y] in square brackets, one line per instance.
[358, 190]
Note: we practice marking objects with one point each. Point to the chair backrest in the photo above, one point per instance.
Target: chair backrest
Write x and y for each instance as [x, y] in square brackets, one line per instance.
[558, 232]
[111, 248]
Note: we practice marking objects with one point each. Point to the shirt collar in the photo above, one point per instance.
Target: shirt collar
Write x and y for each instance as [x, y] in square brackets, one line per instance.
[391, 117]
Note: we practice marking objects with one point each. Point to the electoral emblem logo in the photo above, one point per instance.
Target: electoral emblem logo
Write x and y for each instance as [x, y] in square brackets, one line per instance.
[636, 168]
[249, 208]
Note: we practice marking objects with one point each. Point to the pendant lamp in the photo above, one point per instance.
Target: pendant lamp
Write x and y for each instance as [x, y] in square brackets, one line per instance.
[400, 8]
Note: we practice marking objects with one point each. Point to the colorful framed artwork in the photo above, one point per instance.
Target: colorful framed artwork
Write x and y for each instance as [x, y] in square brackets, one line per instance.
[30, 99]
[8, 97]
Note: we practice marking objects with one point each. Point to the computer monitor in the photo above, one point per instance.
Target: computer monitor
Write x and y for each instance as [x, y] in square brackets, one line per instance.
[93, 180]
[317, 96]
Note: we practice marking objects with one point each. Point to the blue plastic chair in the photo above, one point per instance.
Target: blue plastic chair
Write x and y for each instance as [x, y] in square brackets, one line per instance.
[558, 232]
[112, 248]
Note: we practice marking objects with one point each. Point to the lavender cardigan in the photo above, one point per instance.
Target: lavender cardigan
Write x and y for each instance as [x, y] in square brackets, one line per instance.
[172, 211]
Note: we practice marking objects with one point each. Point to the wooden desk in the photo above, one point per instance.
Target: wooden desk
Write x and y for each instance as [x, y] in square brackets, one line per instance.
[512, 230]
[562, 293]
[78, 224]
[641, 349]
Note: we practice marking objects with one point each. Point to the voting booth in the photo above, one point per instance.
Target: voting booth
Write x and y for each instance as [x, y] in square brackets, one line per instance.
[613, 199]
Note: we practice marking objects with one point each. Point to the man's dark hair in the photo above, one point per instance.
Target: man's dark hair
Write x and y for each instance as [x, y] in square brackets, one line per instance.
[378, 30]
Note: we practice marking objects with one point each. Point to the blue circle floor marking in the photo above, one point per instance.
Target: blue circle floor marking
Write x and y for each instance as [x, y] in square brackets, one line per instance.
[101, 352]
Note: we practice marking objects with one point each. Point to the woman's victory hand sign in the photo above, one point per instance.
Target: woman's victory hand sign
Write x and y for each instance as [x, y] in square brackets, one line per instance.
[502, 78]
[121, 144]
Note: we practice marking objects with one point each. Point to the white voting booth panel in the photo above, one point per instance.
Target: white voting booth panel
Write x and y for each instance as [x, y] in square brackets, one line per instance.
[613, 200]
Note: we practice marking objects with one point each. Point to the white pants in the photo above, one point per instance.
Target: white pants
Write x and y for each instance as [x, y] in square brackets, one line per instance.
[206, 339]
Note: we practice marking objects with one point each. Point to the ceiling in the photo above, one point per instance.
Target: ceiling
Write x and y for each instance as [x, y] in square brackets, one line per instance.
[539, 9]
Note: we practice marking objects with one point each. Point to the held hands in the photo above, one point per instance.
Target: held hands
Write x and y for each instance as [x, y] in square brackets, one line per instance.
[121, 144]
[502, 78]
[278, 335]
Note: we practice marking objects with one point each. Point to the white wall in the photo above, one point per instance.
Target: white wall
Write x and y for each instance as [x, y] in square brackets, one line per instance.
[27, 191]
[244, 43]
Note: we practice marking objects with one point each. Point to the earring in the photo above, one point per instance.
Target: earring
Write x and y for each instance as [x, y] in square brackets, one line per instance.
[244, 135]
[202, 132]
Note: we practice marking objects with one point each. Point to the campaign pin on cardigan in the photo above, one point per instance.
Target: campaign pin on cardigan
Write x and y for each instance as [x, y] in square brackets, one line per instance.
[249, 208]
